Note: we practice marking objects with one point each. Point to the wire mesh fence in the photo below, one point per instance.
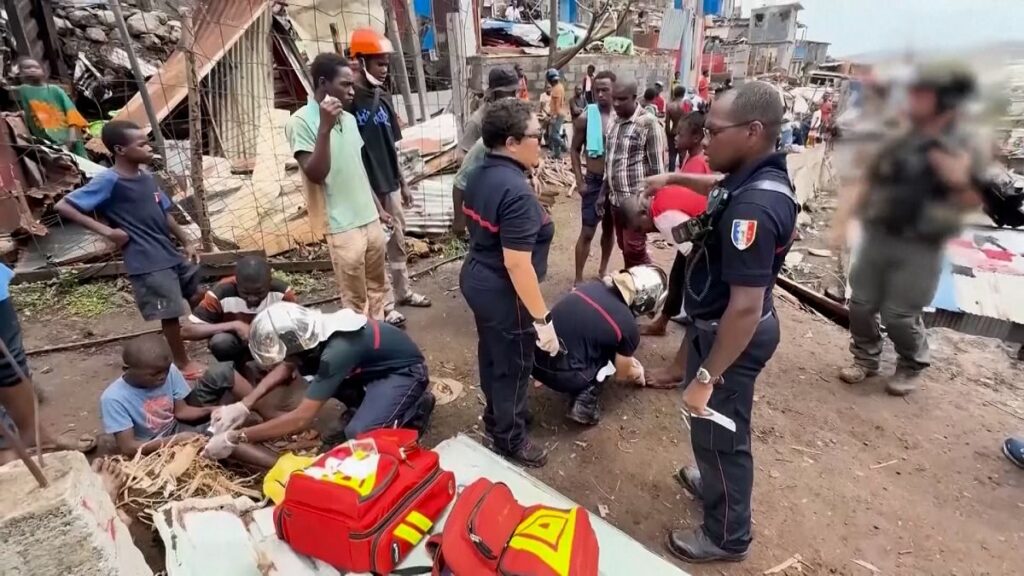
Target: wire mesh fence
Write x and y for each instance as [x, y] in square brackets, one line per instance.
[250, 61]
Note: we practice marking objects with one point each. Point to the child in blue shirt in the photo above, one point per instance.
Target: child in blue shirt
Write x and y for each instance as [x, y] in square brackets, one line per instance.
[139, 222]
[151, 405]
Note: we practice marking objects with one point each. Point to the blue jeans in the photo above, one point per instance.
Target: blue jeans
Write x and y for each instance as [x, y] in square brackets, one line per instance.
[555, 143]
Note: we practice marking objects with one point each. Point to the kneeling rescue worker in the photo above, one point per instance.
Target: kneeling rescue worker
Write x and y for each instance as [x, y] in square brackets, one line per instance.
[373, 368]
[740, 243]
[597, 325]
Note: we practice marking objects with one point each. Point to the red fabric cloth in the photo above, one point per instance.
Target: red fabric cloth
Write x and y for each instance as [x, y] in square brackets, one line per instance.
[678, 199]
[703, 88]
[659, 103]
[696, 165]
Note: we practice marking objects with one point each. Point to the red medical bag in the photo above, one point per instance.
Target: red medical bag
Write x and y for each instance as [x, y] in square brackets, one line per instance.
[489, 533]
[365, 524]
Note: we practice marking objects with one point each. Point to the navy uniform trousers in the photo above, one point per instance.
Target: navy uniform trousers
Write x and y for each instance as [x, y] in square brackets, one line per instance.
[561, 373]
[507, 340]
[723, 457]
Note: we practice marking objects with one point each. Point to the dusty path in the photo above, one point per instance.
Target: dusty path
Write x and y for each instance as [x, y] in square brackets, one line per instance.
[949, 504]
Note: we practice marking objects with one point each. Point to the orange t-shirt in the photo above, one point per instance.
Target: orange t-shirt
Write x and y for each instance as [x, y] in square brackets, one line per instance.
[557, 105]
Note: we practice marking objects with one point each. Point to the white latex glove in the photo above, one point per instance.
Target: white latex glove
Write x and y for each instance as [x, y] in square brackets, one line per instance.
[228, 417]
[219, 447]
[547, 340]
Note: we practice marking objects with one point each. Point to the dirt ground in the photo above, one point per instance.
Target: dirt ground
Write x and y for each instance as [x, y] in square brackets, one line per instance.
[910, 486]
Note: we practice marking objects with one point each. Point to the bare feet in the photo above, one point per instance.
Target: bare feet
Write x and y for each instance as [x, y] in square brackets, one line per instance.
[111, 475]
[657, 328]
[664, 378]
[113, 479]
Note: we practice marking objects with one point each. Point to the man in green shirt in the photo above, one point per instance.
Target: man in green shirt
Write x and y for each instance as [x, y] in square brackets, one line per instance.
[501, 83]
[326, 142]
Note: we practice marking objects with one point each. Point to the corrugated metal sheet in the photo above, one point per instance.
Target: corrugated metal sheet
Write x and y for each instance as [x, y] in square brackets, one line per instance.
[981, 287]
[218, 28]
[984, 274]
[673, 24]
[433, 213]
[976, 325]
[240, 88]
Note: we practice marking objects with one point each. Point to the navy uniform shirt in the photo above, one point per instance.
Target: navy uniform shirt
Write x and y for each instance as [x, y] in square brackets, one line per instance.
[595, 324]
[503, 212]
[357, 357]
[748, 245]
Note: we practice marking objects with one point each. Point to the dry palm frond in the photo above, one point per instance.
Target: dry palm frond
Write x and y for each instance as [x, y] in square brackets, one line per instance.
[175, 473]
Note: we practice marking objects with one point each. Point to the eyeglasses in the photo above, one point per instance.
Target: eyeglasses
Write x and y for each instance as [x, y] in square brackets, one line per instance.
[532, 135]
[712, 132]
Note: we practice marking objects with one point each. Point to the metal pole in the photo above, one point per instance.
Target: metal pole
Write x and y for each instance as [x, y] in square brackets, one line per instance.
[457, 61]
[421, 81]
[158, 137]
[401, 72]
[195, 129]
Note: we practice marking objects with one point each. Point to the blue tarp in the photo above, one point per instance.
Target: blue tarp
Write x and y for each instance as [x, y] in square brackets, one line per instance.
[425, 16]
[712, 7]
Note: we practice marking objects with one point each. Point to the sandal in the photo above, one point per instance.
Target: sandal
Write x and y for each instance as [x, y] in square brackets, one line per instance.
[416, 301]
[394, 318]
[85, 443]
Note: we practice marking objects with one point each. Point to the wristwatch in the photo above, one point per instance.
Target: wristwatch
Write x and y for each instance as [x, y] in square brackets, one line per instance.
[545, 320]
[704, 377]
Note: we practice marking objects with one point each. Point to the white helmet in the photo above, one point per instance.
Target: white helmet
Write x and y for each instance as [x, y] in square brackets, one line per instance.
[286, 328]
[643, 287]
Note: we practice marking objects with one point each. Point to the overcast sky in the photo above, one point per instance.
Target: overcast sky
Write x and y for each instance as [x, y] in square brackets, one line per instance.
[864, 26]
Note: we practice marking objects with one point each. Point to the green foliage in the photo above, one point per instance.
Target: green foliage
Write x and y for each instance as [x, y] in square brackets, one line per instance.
[65, 294]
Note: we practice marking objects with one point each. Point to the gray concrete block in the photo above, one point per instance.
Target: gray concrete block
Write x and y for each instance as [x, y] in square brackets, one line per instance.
[71, 527]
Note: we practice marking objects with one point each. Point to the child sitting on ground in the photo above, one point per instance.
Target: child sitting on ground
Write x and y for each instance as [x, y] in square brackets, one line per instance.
[151, 406]
[139, 222]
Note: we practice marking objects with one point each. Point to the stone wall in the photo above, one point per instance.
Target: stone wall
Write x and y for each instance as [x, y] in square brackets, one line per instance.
[646, 70]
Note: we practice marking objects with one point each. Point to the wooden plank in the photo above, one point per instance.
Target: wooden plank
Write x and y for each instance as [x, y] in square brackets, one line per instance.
[826, 306]
[214, 265]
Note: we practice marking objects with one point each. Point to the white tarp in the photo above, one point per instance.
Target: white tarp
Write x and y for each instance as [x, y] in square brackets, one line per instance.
[225, 537]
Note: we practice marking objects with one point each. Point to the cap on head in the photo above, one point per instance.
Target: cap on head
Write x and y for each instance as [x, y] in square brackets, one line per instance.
[644, 288]
[502, 80]
[368, 42]
[552, 75]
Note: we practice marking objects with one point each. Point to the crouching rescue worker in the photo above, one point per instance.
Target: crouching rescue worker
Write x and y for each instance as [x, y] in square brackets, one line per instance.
[740, 243]
[597, 326]
[371, 367]
[510, 234]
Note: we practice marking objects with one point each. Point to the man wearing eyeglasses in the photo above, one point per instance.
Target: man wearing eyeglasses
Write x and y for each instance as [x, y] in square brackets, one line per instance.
[728, 296]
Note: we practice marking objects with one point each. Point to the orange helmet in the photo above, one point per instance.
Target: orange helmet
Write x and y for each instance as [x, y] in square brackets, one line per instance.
[368, 42]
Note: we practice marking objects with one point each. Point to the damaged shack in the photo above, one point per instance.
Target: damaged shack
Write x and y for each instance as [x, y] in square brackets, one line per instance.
[252, 74]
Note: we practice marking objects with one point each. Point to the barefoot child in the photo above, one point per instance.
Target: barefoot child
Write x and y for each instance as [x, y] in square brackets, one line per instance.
[138, 221]
[151, 406]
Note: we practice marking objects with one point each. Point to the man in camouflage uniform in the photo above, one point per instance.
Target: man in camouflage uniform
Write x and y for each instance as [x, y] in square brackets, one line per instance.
[918, 187]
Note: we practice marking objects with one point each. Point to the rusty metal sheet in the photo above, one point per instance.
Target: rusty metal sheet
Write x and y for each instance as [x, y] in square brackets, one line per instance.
[218, 28]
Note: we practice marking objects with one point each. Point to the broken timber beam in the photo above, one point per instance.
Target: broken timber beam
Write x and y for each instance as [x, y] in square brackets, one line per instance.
[829, 308]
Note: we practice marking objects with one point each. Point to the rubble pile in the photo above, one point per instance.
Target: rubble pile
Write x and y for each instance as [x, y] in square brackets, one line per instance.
[92, 45]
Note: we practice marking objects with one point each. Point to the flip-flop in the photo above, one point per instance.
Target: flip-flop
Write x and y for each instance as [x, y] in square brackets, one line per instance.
[86, 443]
[416, 301]
[395, 318]
[1013, 449]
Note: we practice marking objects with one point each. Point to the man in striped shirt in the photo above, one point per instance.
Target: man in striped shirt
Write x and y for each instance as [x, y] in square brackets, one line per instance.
[636, 150]
[226, 310]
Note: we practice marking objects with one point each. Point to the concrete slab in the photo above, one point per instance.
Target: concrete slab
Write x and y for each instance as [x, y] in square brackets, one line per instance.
[227, 537]
[71, 527]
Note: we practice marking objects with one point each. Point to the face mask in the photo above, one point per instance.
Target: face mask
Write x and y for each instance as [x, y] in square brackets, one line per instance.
[372, 79]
